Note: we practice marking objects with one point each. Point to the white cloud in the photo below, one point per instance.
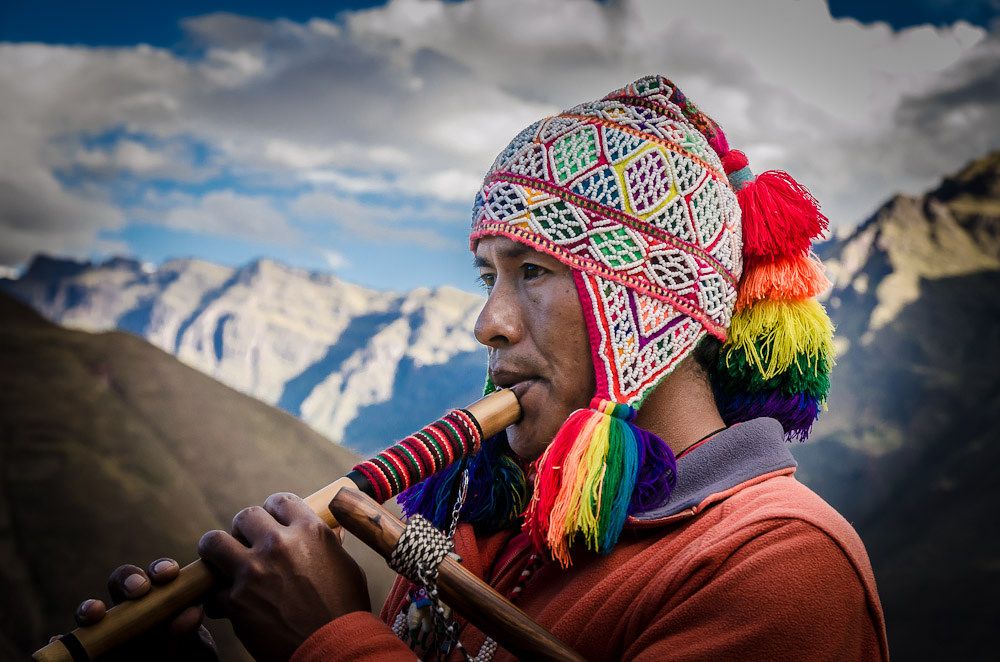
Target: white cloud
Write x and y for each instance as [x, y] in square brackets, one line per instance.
[342, 154]
[373, 223]
[126, 155]
[414, 100]
[334, 260]
[449, 185]
[228, 213]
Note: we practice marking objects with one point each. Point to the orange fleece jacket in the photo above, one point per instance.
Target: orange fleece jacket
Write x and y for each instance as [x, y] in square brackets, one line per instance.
[748, 564]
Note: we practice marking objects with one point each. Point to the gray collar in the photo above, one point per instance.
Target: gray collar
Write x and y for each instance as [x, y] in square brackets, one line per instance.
[737, 454]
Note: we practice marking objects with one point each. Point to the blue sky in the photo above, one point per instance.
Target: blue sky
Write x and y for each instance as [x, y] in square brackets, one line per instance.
[350, 137]
[125, 23]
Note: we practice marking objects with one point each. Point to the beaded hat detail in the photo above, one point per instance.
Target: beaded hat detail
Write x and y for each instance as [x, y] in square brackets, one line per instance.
[629, 192]
[670, 238]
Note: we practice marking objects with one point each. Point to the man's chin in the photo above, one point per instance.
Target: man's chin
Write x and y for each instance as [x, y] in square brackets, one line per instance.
[525, 443]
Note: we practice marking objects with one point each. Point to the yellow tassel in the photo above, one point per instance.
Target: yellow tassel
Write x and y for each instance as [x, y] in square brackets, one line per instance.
[590, 481]
[771, 333]
[567, 503]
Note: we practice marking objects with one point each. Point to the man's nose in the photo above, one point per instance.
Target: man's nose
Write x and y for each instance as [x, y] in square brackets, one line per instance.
[500, 323]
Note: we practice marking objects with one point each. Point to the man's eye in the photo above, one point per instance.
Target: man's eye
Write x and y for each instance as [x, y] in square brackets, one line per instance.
[532, 271]
[487, 280]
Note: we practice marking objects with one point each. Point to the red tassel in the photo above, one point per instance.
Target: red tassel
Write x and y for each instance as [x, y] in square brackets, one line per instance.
[780, 216]
[549, 476]
[734, 160]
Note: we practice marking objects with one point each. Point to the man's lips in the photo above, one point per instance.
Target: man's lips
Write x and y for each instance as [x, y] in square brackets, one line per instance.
[521, 387]
[517, 382]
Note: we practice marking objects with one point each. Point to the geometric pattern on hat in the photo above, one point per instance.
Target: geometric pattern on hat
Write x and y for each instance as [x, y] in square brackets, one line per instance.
[639, 339]
[629, 192]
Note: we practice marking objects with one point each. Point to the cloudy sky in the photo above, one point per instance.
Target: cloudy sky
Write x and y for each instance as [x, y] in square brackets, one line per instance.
[352, 136]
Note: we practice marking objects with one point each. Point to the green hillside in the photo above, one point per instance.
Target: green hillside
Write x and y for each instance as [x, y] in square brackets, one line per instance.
[112, 451]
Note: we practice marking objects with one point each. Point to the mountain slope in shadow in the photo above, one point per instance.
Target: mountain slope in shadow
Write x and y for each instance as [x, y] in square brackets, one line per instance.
[927, 387]
[112, 451]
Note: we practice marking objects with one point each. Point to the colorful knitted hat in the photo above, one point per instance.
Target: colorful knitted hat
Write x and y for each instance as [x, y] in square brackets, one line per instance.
[641, 195]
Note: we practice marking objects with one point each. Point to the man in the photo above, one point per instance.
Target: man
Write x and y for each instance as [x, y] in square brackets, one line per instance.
[651, 305]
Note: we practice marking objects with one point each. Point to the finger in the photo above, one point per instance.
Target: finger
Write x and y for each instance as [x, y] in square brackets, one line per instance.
[253, 524]
[206, 651]
[222, 551]
[163, 570]
[186, 622]
[90, 611]
[287, 508]
[127, 582]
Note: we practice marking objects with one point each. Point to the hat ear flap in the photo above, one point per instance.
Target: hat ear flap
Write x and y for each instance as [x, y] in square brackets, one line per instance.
[779, 351]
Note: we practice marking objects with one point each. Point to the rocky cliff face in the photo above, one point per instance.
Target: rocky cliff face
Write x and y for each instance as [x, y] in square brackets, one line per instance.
[878, 268]
[318, 347]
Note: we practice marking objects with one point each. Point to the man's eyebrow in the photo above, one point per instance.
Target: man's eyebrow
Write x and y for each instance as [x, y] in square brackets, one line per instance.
[515, 251]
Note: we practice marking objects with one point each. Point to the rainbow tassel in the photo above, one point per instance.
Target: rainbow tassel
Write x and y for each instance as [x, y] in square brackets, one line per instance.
[788, 278]
[773, 333]
[586, 479]
[780, 216]
[796, 412]
[735, 373]
[777, 358]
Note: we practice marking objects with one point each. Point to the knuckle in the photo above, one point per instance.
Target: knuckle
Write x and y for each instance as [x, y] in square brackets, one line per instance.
[210, 542]
[249, 511]
[238, 517]
[279, 499]
[239, 592]
[319, 529]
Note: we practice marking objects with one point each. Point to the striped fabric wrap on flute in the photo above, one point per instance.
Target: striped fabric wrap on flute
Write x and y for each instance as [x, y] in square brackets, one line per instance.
[422, 454]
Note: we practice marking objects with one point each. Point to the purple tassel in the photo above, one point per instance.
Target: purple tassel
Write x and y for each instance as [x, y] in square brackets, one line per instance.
[433, 497]
[496, 495]
[796, 413]
[657, 472]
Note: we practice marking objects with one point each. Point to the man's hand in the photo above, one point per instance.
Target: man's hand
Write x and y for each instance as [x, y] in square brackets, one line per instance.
[183, 638]
[285, 575]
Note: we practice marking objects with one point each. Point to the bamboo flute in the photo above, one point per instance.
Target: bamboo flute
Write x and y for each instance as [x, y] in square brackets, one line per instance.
[359, 513]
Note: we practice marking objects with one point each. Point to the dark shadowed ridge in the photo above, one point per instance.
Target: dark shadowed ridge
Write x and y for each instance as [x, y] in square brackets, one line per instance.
[908, 451]
[112, 451]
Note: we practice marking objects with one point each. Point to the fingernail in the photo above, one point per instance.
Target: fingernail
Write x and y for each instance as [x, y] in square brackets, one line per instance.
[134, 583]
[84, 607]
[162, 566]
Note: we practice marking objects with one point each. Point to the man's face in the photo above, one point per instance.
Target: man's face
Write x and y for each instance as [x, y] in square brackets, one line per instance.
[533, 326]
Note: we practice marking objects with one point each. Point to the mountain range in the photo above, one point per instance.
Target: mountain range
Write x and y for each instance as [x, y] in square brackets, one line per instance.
[905, 450]
[358, 365]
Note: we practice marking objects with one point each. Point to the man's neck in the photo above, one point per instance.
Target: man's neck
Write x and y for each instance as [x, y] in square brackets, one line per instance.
[681, 410]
